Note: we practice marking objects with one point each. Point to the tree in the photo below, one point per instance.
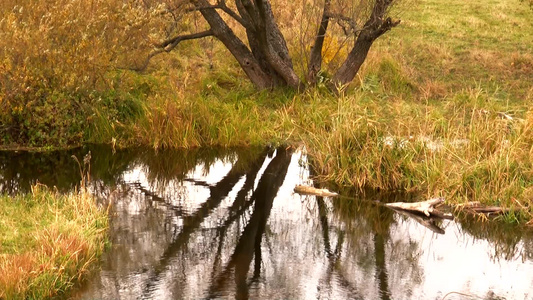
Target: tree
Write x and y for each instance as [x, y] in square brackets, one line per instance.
[261, 49]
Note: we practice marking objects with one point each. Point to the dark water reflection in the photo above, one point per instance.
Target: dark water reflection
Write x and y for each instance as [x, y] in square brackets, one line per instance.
[215, 223]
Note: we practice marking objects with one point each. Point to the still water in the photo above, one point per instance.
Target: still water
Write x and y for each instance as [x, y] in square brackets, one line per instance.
[225, 223]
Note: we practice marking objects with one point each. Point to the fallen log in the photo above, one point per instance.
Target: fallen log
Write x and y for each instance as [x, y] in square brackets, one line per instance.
[425, 207]
[476, 207]
[308, 190]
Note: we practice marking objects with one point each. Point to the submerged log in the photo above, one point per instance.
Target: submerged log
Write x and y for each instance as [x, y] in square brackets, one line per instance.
[476, 207]
[308, 190]
[425, 207]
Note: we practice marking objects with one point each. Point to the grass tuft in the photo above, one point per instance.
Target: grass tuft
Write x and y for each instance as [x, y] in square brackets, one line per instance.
[49, 242]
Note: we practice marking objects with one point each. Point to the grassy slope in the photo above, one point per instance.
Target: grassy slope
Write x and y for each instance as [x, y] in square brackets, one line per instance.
[468, 44]
[47, 242]
[427, 114]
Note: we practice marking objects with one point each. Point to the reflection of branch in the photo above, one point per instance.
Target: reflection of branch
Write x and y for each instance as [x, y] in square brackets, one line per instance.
[239, 202]
[333, 258]
[381, 270]
[218, 255]
[323, 215]
[156, 198]
[429, 223]
[197, 182]
[193, 222]
[250, 241]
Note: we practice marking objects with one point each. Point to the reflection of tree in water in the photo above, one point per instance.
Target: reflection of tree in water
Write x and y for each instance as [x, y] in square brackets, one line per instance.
[202, 238]
[232, 241]
[366, 229]
[249, 243]
[192, 223]
[222, 247]
[508, 241]
[19, 170]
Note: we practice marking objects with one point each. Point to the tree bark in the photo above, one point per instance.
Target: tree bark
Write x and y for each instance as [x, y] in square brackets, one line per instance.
[273, 43]
[238, 49]
[353, 62]
[315, 60]
[257, 51]
[373, 28]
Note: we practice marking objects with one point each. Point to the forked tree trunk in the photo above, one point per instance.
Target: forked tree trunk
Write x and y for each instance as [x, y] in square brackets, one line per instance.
[375, 27]
[255, 46]
[238, 49]
[265, 57]
[263, 30]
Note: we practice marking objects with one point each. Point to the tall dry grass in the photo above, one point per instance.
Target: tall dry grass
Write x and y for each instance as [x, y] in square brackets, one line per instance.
[49, 243]
[455, 149]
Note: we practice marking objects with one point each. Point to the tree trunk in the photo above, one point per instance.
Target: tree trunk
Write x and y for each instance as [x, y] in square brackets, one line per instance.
[376, 26]
[238, 49]
[315, 60]
[257, 52]
[353, 62]
[273, 43]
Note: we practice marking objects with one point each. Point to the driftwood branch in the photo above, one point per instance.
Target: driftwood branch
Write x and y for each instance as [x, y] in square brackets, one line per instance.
[424, 212]
[425, 207]
[308, 190]
[475, 207]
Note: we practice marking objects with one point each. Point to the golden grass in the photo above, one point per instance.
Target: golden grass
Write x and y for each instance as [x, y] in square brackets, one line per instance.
[455, 149]
[445, 79]
[49, 243]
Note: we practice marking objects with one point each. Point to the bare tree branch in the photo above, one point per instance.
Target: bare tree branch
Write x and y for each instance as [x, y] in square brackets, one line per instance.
[221, 4]
[170, 44]
[347, 24]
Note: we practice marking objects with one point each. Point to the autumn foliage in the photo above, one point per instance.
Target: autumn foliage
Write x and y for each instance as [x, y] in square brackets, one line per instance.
[55, 63]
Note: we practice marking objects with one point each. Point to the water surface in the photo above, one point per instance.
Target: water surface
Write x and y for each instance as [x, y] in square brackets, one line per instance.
[215, 223]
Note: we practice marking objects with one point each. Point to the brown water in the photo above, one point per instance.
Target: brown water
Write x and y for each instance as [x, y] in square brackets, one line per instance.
[213, 223]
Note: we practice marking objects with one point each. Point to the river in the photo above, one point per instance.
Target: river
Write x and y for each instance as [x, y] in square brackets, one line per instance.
[225, 223]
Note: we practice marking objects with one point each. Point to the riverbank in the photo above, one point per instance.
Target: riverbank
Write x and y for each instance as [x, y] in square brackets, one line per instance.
[49, 242]
[440, 108]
